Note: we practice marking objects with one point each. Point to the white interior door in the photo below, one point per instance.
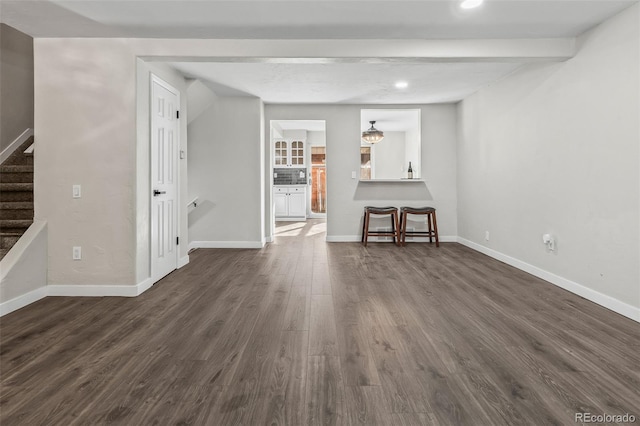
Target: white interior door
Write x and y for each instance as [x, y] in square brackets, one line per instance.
[165, 101]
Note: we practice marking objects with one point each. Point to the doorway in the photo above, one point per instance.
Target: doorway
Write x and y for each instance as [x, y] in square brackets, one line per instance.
[298, 170]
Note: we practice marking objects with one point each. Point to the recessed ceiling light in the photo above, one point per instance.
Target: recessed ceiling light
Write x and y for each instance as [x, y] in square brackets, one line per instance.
[402, 85]
[470, 4]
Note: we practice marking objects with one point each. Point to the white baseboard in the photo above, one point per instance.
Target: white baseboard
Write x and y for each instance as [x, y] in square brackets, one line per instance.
[601, 299]
[94, 290]
[291, 219]
[144, 285]
[226, 244]
[74, 290]
[183, 261]
[15, 144]
[343, 238]
[22, 301]
[268, 239]
[358, 238]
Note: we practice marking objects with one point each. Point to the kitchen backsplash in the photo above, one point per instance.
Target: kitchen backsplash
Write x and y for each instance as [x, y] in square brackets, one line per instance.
[289, 176]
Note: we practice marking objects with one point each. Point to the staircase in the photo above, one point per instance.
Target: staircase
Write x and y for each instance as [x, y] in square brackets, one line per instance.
[16, 197]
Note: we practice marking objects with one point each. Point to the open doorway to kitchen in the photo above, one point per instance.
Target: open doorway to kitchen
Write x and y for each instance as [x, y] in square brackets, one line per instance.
[299, 172]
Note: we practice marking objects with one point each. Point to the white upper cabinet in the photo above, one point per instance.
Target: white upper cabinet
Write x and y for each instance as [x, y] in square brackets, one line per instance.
[288, 153]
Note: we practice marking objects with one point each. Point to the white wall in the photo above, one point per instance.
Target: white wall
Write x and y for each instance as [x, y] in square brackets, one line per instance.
[225, 170]
[316, 138]
[346, 197]
[388, 157]
[16, 80]
[412, 151]
[554, 148]
[90, 130]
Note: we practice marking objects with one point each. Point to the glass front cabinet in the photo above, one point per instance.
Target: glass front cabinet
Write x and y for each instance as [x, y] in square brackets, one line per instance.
[288, 153]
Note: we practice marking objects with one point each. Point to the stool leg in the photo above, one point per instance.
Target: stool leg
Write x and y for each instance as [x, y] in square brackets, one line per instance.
[364, 219]
[435, 229]
[366, 227]
[396, 228]
[405, 217]
[429, 227]
[393, 227]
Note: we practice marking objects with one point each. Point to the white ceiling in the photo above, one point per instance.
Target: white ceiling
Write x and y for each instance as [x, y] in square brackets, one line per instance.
[390, 120]
[306, 19]
[356, 82]
[347, 83]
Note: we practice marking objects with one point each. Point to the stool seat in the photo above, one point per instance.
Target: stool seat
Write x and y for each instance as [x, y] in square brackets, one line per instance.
[417, 210]
[382, 210]
[432, 224]
[395, 223]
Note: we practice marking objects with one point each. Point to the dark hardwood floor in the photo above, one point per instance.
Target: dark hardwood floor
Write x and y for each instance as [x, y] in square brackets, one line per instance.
[305, 332]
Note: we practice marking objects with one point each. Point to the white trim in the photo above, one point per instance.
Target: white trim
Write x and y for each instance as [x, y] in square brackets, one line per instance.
[291, 219]
[269, 239]
[15, 144]
[608, 302]
[144, 285]
[184, 261]
[343, 238]
[316, 215]
[96, 290]
[358, 238]
[100, 290]
[226, 244]
[22, 301]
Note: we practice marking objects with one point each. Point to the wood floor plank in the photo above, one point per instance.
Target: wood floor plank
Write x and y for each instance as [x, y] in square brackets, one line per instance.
[366, 405]
[285, 401]
[296, 317]
[358, 366]
[305, 332]
[323, 339]
[325, 391]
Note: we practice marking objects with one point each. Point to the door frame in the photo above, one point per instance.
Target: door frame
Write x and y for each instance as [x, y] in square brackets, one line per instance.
[155, 79]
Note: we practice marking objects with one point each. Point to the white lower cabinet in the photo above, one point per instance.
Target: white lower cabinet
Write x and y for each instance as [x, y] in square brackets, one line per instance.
[290, 202]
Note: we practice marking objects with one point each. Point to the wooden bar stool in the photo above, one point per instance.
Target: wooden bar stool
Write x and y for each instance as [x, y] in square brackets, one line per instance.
[395, 228]
[432, 224]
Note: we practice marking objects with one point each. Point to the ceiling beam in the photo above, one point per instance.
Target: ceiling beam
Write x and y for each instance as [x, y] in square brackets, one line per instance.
[366, 51]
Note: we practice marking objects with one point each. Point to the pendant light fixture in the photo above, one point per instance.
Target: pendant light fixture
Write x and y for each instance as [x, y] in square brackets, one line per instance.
[372, 135]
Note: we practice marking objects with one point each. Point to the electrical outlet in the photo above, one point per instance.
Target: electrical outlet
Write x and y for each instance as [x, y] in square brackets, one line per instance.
[353, 175]
[77, 253]
[486, 235]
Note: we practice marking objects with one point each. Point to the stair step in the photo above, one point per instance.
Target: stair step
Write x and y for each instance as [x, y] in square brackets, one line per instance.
[3, 252]
[16, 187]
[21, 168]
[10, 225]
[16, 205]
[22, 177]
[8, 239]
[19, 157]
[17, 214]
[16, 196]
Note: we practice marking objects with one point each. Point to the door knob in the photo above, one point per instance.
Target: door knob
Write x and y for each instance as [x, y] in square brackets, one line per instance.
[156, 192]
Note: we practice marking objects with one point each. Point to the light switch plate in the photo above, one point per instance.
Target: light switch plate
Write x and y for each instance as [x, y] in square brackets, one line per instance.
[77, 253]
[353, 175]
[77, 191]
